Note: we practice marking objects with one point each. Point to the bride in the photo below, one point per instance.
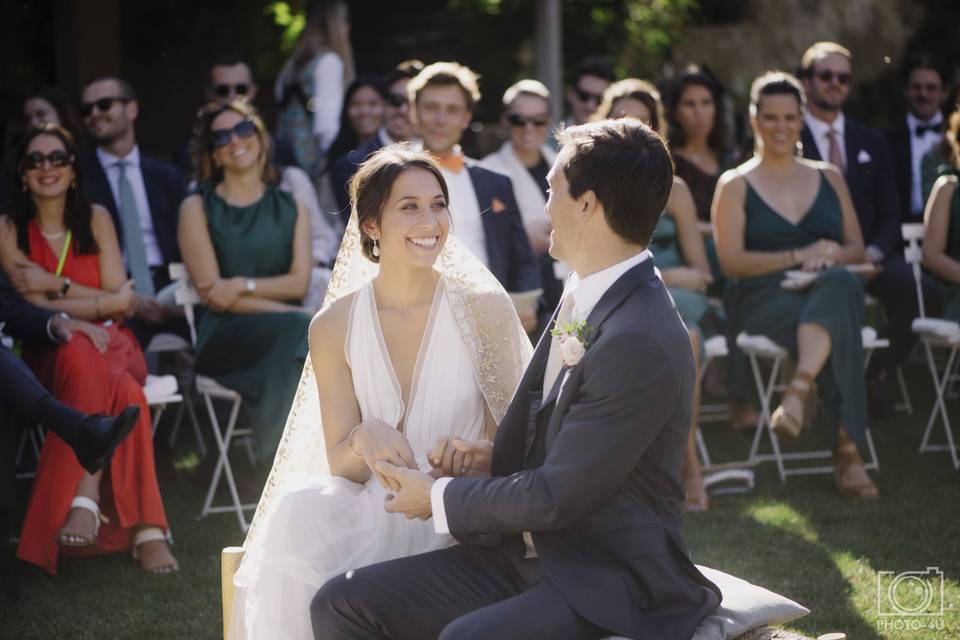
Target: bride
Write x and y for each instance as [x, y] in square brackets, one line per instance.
[417, 345]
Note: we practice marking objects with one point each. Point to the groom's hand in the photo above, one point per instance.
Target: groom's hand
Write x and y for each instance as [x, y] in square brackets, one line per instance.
[413, 497]
[456, 457]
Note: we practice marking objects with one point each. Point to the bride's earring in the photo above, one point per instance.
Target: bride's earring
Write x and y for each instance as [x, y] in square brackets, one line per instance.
[376, 248]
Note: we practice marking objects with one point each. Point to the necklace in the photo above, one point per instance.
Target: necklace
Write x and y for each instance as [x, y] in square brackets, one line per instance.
[52, 236]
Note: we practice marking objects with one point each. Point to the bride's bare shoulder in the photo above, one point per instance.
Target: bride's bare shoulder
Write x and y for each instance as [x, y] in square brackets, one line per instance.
[328, 329]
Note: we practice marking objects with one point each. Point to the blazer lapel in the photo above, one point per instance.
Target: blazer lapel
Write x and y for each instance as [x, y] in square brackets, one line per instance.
[810, 149]
[485, 204]
[853, 154]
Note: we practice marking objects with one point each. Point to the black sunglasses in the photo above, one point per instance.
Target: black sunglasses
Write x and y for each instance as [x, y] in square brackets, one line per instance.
[825, 75]
[396, 99]
[102, 105]
[223, 90]
[516, 120]
[57, 159]
[586, 96]
[221, 137]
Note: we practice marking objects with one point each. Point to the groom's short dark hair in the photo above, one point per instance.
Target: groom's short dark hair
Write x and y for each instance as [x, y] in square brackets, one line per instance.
[627, 165]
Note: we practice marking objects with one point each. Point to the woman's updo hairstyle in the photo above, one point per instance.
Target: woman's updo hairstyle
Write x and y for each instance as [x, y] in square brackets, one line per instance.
[371, 184]
[775, 83]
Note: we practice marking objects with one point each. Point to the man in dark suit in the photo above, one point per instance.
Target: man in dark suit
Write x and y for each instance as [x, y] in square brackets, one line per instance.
[862, 154]
[485, 214]
[396, 128]
[919, 130]
[577, 532]
[23, 398]
[143, 196]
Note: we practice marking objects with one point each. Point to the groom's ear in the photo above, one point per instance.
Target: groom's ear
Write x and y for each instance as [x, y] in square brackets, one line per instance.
[588, 203]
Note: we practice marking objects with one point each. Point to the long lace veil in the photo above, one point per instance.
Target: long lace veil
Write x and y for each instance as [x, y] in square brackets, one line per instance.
[487, 324]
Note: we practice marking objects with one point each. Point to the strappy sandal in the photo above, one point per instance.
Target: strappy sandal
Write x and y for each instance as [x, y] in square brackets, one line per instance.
[696, 494]
[784, 423]
[849, 471]
[72, 537]
[151, 535]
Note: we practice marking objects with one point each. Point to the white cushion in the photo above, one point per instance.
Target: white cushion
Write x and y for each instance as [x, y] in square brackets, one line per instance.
[940, 327]
[761, 345]
[716, 347]
[158, 387]
[744, 607]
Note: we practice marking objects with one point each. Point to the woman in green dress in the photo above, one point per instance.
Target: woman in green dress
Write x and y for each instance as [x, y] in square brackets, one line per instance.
[247, 247]
[941, 221]
[678, 249]
[778, 212]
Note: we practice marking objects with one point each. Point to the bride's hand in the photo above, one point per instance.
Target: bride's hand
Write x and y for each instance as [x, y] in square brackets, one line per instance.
[456, 457]
[375, 440]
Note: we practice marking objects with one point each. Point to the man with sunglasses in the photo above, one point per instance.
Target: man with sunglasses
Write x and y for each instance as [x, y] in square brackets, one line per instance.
[862, 155]
[396, 128]
[918, 131]
[591, 78]
[143, 196]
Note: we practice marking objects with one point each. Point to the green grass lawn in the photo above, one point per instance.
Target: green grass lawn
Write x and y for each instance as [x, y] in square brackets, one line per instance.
[800, 539]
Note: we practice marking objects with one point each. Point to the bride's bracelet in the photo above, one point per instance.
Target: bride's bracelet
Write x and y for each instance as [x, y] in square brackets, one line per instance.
[350, 441]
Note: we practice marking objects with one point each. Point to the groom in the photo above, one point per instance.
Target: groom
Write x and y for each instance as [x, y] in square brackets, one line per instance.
[577, 532]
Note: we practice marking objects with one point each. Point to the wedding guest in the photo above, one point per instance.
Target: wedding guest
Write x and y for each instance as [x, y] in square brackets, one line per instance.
[590, 79]
[939, 155]
[862, 156]
[396, 128]
[361, 116]
[310, 89]
[919, 131]
[246, 245]
[484, 210]
[526, 158]
[941, 237]
[142, 195]
[678, 248]
[62, 254]
[698, 135]
[777, 212]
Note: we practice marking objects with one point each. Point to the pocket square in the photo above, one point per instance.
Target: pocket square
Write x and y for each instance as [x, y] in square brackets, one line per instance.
[497, 206]
[863, 157]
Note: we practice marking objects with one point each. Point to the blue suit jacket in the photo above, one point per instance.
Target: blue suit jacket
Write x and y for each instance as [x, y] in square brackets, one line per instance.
[166, 189]
[21, 319]
[344, 168]
[873, 186]
[509, 256]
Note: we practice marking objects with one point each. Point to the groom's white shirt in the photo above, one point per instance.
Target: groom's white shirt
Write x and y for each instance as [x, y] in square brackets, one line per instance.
[588, 293]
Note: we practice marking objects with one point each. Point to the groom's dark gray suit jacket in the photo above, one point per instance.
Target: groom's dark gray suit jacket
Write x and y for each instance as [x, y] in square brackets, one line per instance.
[594, 472]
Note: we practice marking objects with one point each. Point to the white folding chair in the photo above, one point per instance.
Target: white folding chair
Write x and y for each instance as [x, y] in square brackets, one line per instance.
[210, 390]
[172, 343]
[933, 333]
[761, 348]
[906, 403]
[161, 391]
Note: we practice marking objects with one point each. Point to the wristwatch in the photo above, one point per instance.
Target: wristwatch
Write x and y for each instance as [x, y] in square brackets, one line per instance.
[66, 287]
[251, 286]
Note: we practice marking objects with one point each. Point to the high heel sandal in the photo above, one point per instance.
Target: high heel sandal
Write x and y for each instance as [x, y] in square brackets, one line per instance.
[849, 470]
[783, 422]
[75, 538]
[153, 534]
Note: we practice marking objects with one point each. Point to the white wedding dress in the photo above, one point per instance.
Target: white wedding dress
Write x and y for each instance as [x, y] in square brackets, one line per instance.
[321, 527]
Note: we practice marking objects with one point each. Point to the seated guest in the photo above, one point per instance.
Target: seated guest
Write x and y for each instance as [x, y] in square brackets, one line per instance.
[246, 244]
[941, 236]
[678, 249]
[918, 131]
[62, 254]
[863, 157]
[526, 158]
[778, 212]
[142, 195]
[590, 79]
[698, 135]
[361, 116]
[396, 128]
[482, 205]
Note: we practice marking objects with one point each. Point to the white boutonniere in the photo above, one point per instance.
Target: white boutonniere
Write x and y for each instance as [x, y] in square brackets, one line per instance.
[573, 338]
[863, 157]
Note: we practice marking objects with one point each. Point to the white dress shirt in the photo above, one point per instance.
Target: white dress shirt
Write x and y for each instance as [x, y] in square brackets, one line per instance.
[465, 213]
[135, 176]
[919, 146]
[820, 130]
[588, 292]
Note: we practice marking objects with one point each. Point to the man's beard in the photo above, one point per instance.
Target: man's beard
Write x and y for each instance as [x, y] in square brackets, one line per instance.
[108, 138]
[823, 104]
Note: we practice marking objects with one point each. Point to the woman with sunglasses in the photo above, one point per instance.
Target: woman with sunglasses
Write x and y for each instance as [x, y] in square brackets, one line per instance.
[678, 249]
[527, 159]
[246, 244]
[61, 253]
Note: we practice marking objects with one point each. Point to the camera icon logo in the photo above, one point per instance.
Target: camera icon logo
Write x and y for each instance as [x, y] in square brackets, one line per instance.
[910, 593]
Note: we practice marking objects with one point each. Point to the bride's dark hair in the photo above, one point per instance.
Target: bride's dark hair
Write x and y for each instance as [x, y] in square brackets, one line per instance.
[371, 184]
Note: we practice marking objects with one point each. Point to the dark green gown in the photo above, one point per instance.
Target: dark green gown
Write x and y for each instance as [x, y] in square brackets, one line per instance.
[259, 355]
[834, 301]
[951, 291]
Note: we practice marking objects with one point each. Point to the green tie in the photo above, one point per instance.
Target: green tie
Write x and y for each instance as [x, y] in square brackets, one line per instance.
[133, 247]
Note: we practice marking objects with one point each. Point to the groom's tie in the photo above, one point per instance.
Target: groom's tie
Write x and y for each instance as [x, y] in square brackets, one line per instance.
[555, 357]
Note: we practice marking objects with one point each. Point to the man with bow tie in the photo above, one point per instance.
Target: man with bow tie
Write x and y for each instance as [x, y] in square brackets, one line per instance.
[919, 131]
[861, 153]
